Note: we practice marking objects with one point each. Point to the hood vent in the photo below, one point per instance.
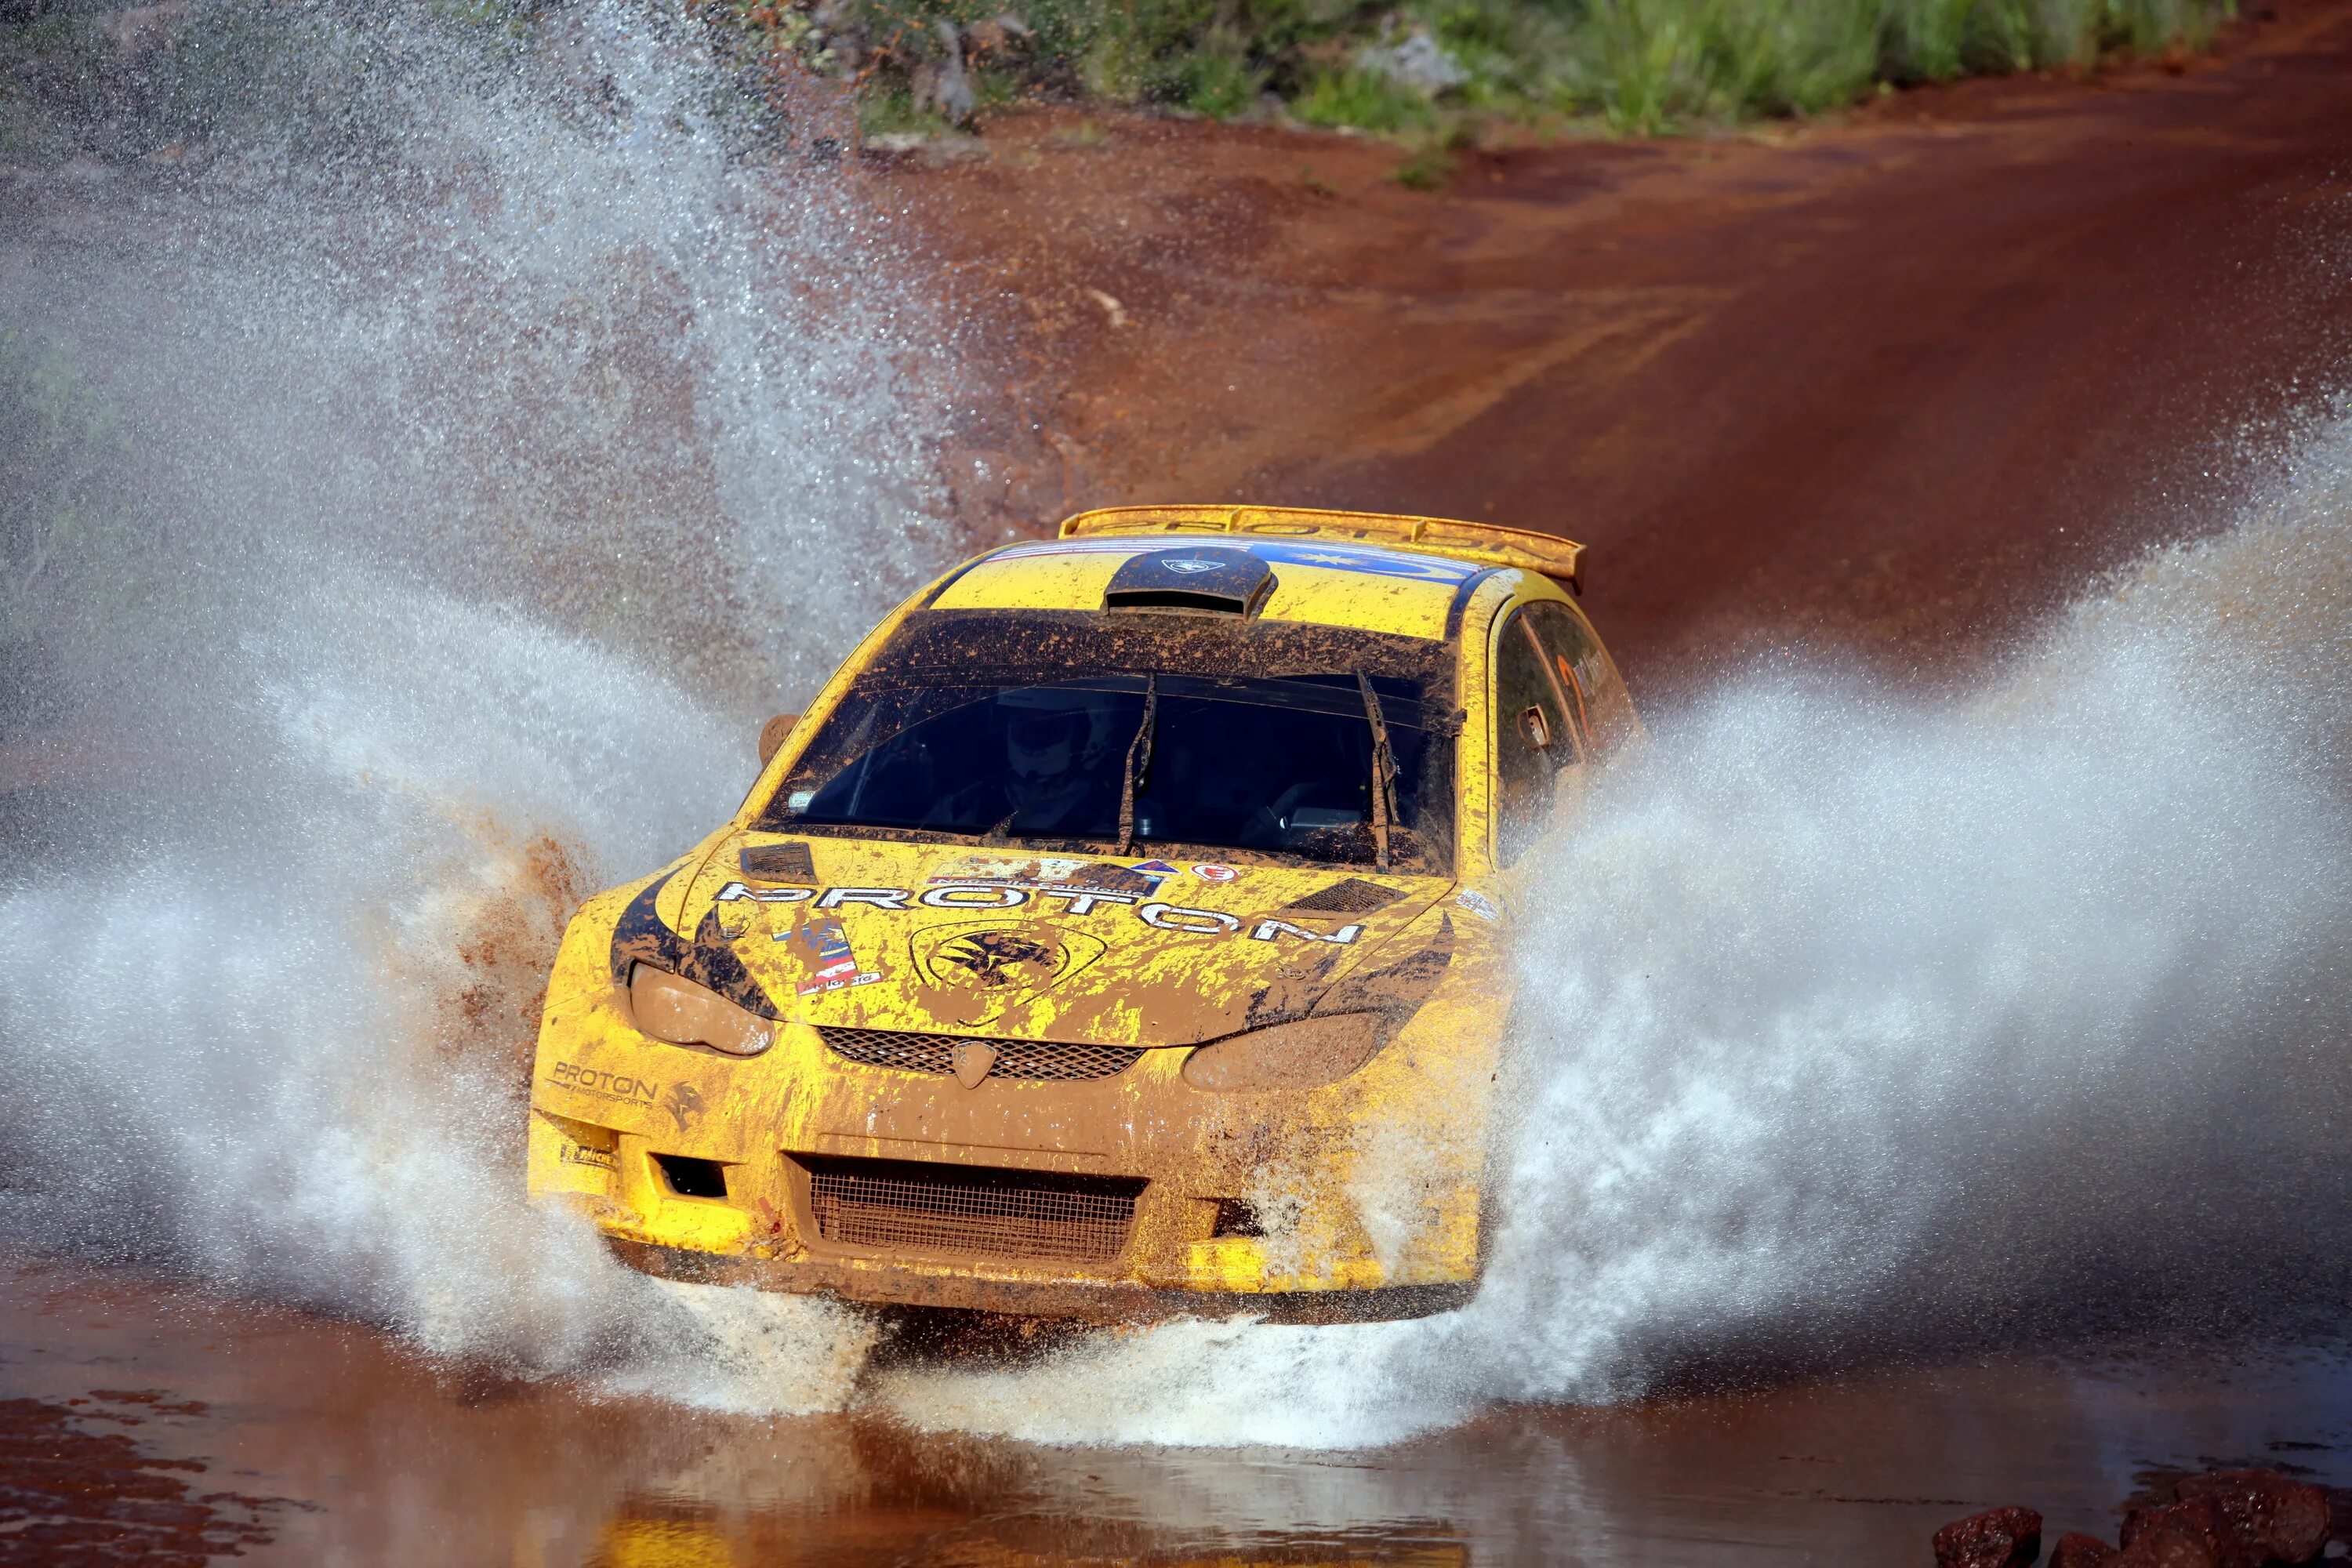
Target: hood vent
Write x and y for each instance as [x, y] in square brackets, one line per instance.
[1353, 897]
[1195, 579]
[777, 863]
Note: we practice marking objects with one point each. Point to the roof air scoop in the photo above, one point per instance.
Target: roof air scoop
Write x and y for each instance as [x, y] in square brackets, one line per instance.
[1202, 578]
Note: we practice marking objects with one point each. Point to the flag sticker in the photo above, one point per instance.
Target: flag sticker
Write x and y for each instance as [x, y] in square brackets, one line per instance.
[824, 945]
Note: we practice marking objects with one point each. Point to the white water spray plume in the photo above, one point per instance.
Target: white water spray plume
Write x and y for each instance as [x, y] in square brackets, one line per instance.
[477, 477]
[1856, 1025]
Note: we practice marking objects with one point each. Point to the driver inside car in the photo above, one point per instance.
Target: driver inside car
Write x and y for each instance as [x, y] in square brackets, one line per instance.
[1060, 775]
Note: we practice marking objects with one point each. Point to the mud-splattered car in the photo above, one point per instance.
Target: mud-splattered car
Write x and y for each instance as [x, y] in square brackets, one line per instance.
[1121, 932]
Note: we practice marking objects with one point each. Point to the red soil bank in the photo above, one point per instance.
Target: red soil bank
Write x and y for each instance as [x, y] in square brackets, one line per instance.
[1894, 384]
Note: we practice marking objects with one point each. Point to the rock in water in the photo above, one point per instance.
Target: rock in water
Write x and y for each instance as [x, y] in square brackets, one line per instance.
[2169, 1544]
[2197, 1523]
[1997, 1538]
[2076, 1549]
[2271, 1516]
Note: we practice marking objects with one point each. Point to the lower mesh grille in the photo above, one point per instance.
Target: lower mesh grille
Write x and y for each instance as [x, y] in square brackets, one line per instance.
[893, 1205]
[1033, 1060]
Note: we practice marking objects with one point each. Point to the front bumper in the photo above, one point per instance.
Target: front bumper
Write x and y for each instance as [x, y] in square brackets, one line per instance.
[1363, 1195]
[882, 1284]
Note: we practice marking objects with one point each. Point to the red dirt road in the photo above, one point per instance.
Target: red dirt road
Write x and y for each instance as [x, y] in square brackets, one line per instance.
[1892, 386]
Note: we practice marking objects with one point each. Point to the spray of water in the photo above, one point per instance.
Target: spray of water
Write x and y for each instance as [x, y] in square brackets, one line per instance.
[499, 418]
[467, 453]
[1851, 1024]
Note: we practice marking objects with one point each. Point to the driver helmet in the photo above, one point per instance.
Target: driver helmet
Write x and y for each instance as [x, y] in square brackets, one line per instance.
[1051, 735]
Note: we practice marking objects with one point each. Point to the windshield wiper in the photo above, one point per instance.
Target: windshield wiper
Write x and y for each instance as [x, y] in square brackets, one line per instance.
[1383, 772]
[1138, 764]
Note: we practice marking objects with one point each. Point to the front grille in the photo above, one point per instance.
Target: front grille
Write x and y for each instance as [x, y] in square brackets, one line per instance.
[1034, 1061]
[896, 1204]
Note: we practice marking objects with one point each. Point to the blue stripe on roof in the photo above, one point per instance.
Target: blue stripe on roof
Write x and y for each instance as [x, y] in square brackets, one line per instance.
[1373, 561]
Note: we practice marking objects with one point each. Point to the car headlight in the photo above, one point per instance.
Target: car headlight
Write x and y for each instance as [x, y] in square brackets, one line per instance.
[1304, 1055]
[670, 1007]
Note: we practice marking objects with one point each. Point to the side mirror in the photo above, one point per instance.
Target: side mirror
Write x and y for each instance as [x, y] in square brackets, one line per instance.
[773, 733]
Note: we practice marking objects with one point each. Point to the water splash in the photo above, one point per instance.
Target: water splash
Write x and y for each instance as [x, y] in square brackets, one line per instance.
[536, 315]
[468, 453]
[1851, 1025]
[484, 462]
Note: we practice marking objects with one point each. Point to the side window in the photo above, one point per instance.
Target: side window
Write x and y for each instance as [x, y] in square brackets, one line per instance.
[1589, 680]
[1534, 737]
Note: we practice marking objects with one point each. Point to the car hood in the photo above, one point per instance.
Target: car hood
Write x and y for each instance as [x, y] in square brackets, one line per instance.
[1135, 949]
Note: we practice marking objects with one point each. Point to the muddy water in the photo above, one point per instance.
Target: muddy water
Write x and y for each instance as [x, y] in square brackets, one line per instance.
[341, 1445]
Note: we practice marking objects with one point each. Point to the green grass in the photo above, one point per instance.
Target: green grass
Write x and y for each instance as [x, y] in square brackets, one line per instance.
[1364, 101]
[1431, 168]
[1633, 67]
[889, 110]
[1638, 67]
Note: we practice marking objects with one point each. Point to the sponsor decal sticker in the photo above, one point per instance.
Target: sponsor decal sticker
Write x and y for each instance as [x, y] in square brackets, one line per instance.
[879, 898]
[1200, 923]
[1026, 869]
[1083, 902]
[998, 958]
[736, 897]
[569, 1153]
[1002, 955]
[1157, 868]
[1266, 931]
[1076, 901]
[1191, 565]
[1478, 904]
[824, 943]
[603, 1083]
[943, 895]
[736, 891]
[684, 1103]
[1006, 882]
[823, 946]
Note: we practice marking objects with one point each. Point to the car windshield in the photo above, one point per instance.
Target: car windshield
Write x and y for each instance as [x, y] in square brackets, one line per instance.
[1067, 742]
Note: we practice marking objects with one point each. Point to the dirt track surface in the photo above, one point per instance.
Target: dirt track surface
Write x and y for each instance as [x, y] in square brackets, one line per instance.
[365, 1453]
[1895, 385]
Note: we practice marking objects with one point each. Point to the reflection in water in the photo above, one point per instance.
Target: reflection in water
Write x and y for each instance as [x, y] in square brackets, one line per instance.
[414, 1460]
[488, 487]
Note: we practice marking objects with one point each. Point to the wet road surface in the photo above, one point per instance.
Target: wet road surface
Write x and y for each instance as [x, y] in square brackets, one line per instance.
[340, 1445]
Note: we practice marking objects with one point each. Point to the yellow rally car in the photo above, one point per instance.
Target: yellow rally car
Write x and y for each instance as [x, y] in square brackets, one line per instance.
[1121, 933]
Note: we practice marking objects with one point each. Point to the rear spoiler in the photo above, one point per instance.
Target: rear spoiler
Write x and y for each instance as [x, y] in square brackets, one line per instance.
[1559, 559]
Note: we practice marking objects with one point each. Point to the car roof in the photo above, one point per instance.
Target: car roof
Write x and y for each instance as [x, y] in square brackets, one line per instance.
[1318, 581]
